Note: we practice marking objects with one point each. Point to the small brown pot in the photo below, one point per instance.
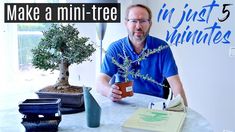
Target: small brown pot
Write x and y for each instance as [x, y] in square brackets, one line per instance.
[126, 88]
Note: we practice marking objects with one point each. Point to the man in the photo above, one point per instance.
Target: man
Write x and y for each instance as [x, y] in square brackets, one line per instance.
[158, 66]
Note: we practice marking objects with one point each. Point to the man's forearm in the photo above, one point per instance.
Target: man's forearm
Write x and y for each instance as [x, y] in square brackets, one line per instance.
[177, 87]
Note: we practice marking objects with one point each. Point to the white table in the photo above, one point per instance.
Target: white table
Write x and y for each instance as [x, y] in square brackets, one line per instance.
[114, 114]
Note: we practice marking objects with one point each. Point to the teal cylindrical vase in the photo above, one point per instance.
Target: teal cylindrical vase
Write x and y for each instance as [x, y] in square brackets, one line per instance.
[92, 109]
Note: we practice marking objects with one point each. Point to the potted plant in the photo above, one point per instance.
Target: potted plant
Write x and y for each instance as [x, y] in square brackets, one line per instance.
[126, 69]
[60, 47]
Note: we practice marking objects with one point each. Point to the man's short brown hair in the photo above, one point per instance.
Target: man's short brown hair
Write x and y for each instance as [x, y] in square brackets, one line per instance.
[138, 5]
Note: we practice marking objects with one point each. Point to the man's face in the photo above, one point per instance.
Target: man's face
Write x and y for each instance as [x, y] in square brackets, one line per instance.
[138, 24]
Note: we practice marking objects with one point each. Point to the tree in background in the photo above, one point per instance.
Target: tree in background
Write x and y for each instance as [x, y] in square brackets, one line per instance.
[60, 47]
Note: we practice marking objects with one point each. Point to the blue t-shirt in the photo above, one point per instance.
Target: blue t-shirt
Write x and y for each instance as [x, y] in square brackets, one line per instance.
[158, 66]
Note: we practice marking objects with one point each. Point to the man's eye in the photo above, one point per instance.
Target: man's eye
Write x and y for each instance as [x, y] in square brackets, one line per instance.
[143, 21]
[134, 21]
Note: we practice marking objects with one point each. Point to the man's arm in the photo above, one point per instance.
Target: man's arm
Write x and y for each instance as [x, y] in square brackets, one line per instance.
[177, 87]
[110, 91]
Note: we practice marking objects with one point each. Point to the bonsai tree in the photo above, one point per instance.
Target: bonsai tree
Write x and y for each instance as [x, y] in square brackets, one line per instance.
[60, 47]
[125, 69]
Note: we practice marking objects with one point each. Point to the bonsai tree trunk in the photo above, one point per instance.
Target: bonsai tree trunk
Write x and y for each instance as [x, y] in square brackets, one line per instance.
[63, 80]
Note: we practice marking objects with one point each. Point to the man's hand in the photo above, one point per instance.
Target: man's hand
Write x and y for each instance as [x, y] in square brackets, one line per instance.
[115, 94]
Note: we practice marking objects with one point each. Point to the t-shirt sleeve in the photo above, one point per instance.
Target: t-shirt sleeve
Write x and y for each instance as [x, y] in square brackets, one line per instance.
[107, 66]
[169, 67]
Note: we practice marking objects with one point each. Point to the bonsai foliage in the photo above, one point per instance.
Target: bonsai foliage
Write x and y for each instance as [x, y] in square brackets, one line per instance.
[125, 68]
[60, 47]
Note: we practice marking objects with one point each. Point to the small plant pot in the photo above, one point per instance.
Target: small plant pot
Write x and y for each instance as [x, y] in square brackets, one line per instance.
[40, 114]
[126, 88]
[46, 106]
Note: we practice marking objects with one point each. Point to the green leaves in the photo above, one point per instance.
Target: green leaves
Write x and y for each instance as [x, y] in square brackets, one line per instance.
[125, 67]
[61, 43]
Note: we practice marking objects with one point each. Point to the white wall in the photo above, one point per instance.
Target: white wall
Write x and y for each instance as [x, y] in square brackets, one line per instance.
[207, 72]
[8, 52]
